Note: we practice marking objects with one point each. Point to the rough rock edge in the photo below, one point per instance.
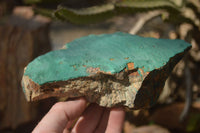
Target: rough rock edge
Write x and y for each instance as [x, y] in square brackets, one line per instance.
[130, 89]
[96, 88]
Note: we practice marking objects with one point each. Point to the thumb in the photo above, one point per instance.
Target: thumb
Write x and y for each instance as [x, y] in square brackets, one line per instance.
[59, 115]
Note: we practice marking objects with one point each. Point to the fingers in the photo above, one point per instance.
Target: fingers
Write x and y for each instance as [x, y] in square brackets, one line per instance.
[69, 126]
[98, 120]
[103, 122]
[115, 121]
[95, 118]
[89, 121]
[59, 115]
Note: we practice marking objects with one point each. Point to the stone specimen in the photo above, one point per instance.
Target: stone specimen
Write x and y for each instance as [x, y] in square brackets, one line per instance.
[110, 69]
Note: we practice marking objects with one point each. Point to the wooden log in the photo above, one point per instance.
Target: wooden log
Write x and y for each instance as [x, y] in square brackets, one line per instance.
[22, 38]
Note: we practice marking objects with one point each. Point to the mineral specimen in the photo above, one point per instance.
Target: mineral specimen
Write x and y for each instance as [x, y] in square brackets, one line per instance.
[116, 69]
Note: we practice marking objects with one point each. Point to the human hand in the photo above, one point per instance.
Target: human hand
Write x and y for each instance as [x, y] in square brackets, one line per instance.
[91, 119]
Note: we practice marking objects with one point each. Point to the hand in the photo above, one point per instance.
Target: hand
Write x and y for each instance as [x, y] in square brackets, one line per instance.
[91, 119]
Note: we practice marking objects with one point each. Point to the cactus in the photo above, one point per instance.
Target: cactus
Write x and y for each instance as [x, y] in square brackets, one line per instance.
[105, 9]
[86, 15]
[102, 12]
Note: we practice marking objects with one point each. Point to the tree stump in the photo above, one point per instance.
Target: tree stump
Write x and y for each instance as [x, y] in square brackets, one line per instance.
[22, 38]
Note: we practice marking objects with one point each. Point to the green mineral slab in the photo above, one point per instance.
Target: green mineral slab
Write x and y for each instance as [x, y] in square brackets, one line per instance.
[116, 69]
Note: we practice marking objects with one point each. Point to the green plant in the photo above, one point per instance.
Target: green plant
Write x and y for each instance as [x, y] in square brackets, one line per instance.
[107, 9]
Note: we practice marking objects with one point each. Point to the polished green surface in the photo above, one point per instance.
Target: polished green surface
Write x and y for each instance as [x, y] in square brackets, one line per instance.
[107, 52]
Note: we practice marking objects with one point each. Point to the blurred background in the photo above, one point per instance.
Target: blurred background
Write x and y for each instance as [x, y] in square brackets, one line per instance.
[29, 28]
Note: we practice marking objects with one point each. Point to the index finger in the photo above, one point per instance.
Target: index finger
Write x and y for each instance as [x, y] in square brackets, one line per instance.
[115, 120]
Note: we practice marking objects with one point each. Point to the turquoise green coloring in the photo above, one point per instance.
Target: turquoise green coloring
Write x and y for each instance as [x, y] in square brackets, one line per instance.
[108, 52]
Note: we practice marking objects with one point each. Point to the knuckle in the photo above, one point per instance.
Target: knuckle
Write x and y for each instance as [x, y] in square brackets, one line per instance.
[57, 107]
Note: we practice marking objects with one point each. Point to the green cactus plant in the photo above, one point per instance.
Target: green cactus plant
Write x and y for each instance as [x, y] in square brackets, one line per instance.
[105, 9]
